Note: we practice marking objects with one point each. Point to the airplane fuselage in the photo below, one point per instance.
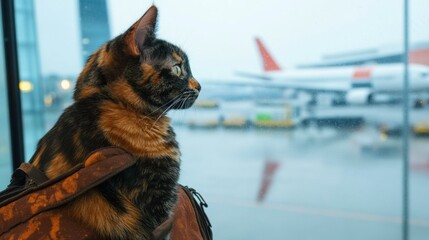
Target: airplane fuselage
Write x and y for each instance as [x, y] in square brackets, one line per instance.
[388, 78]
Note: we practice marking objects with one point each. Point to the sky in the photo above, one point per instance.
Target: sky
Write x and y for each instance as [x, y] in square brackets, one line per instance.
[218, 36]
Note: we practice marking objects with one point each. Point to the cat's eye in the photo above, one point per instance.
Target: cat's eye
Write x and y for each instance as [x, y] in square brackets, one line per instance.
[176, 70]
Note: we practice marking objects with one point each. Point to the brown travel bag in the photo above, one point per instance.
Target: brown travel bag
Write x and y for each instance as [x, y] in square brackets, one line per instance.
[30, 208]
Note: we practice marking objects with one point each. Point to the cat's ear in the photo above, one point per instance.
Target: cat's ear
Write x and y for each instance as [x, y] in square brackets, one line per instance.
[142, 31]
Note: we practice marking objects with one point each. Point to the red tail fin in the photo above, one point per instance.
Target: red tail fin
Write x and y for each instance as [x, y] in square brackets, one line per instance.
[268, 61]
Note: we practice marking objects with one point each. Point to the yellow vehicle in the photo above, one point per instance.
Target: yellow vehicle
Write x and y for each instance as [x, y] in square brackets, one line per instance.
[206, 104]
[421, 128]
[203, 123]
[235, 122]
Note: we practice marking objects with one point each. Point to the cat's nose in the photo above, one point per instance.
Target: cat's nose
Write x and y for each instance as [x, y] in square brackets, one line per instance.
[193, 84]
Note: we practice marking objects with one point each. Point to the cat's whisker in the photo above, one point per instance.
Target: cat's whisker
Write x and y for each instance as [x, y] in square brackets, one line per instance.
[165, 104]
[175, 115]
[186, 100]
[183, 94]
[182, 103]
[163, 113]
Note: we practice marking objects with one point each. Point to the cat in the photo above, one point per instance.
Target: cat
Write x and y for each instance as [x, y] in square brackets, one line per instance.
[121, 99]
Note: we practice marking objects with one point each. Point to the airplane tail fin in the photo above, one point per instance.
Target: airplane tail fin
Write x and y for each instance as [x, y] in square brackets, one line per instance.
[269, 63]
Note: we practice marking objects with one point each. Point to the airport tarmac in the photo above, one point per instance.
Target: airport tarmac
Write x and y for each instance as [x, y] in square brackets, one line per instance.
[329, 184]
[326, 187]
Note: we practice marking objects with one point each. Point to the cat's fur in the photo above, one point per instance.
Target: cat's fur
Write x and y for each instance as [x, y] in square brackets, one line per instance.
[121, 98]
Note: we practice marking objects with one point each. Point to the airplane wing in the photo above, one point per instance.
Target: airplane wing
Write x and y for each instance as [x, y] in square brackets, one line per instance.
[320, 87]
[252, 75]
[311, 87]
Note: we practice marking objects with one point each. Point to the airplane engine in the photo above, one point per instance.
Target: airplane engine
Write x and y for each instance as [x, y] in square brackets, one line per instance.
[359, 96]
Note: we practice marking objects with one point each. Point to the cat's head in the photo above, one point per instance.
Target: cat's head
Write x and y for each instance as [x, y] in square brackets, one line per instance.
[140, 70]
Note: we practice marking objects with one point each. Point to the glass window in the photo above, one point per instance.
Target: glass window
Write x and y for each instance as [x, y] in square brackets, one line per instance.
[298, 132]
[5, 154]
[419, 121]
[32, 98]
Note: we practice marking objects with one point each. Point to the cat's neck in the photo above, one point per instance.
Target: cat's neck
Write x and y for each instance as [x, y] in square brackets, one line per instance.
[142, 135]
[121, 92]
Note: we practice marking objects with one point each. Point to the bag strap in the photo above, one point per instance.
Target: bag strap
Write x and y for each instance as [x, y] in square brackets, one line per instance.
[34, 175]
[98, 167]
[24, 178]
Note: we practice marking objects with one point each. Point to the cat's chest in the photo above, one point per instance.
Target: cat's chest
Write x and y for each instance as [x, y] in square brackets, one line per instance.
[150, 183]
[142, 136]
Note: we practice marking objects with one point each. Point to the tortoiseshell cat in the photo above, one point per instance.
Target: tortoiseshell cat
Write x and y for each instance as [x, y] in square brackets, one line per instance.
[121, 98]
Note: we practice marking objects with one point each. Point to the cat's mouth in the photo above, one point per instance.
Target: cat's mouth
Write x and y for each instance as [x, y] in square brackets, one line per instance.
[186, 100]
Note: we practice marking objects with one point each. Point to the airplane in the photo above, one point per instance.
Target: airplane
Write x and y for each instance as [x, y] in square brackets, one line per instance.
[350, 84]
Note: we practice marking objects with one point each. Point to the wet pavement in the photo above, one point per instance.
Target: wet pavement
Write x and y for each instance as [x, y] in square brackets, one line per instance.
[328, 183]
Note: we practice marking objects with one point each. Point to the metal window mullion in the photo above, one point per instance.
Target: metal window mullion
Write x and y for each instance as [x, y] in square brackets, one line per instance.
[406, 129]
[12, 76]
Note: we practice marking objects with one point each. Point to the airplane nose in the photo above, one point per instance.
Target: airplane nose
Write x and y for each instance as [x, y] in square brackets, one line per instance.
[193, 84]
